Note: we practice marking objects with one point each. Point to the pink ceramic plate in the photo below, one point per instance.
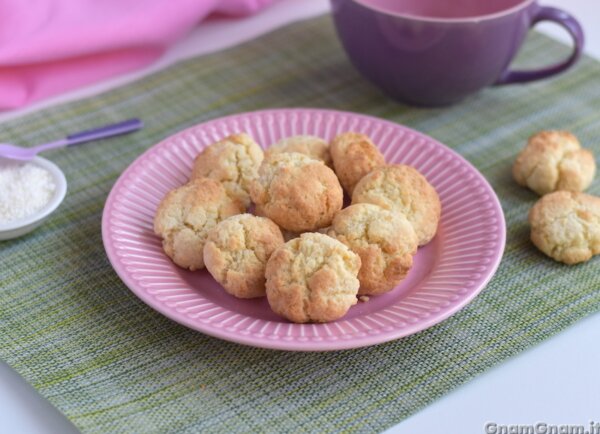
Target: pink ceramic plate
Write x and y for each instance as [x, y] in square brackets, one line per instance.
[447, 274]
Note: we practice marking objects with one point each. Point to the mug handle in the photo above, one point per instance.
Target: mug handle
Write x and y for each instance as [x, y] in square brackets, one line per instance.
[567, 21]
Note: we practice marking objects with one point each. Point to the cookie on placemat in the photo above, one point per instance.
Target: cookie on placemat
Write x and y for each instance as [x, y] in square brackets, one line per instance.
[554, 160]
[402, 188]
[354, 155]
[384, 240]
[296, 192]
[312, 279]
[314, 147]
[234, 161]
[566, 226]
[185, 216]
[237, 250]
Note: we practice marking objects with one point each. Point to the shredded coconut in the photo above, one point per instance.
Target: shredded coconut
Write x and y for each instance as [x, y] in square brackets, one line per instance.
[24, 189]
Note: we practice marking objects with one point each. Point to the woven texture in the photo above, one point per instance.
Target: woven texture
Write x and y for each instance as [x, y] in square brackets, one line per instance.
[111, 364]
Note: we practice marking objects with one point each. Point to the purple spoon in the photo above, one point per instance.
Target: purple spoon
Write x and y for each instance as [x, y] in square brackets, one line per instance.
[25, 154]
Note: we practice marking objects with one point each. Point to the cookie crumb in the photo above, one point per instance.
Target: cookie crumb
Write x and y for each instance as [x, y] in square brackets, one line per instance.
[363, 298]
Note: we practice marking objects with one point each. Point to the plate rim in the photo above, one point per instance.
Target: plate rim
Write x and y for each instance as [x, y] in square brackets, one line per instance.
[295, 345]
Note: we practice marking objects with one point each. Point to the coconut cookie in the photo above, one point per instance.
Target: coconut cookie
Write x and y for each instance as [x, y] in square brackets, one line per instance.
[403, 189]
[566, 226]
[312, 279]
[354, 155]
[384, 240]
[296, 192]
[234, 161]
[314, 147]
[185, 216]
[237, 250]
[554, 160]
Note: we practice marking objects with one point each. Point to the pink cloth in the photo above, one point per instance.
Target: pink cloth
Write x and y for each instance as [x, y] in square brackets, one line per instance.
[51, 46]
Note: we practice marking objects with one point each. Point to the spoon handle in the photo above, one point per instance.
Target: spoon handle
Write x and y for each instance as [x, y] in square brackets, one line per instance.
[112, 130]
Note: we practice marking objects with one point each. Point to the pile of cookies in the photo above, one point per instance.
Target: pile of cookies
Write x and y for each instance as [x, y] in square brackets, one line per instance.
[565, 223]
[310, 256]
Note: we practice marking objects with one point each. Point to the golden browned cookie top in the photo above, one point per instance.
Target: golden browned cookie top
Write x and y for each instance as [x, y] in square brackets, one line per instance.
[312, 278]
[554, 160]
[314, 147]
[237, 250]
[185, 216]
[234, 161]
[566, 226]
[384, 240]
[296, 192]
[402, 188]
[354, 155]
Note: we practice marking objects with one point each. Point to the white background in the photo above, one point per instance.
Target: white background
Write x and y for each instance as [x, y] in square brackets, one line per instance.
[556, 382]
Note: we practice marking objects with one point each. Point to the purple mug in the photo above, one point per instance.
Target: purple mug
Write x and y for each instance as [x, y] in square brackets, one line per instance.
[436, 52]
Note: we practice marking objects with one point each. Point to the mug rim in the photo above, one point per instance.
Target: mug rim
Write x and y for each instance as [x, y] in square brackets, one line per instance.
[486, 17]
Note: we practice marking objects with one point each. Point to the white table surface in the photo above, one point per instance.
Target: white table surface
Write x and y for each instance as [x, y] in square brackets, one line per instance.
[556, 382]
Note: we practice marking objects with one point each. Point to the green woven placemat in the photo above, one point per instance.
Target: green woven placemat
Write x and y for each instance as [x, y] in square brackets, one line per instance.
[111, 364]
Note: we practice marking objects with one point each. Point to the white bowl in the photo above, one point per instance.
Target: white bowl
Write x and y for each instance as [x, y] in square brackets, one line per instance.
[25, 225]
